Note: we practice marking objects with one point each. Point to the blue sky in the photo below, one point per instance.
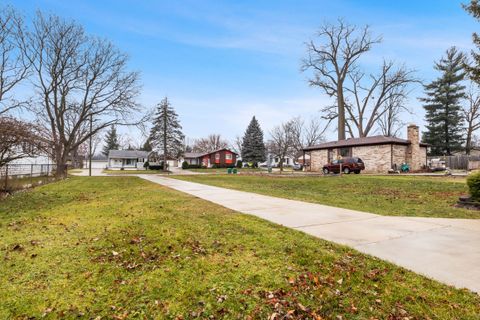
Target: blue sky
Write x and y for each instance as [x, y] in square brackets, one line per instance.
[221, 62]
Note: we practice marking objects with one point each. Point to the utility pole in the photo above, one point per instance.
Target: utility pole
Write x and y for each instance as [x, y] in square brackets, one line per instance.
[90, 148]
[165, 130]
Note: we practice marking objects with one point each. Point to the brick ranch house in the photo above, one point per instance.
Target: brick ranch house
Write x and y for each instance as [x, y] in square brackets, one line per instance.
[219, 158]
[379, 153]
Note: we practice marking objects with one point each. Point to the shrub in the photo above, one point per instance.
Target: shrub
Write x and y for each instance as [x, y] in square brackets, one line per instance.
[145, 165]
[214, 166]
[185, 165]
[239, 164]
[473, 182]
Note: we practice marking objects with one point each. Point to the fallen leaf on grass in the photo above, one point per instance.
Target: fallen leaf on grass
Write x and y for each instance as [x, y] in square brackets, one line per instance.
[17, 247]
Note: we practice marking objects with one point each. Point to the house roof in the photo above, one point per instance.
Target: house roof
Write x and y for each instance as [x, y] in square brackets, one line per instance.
[193, 154]
[365, 141]
[99, 157]
[223, 149]
[127, 154]
[201, 154]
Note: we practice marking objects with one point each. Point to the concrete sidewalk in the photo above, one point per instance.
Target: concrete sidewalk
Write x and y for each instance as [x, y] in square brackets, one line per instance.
[447, 250]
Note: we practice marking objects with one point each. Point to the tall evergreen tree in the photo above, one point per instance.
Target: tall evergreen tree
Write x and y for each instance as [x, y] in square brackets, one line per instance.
[111, 141]
[147, 146]
[253, 147]
[166, 135]
[474, 68]
[443, 105]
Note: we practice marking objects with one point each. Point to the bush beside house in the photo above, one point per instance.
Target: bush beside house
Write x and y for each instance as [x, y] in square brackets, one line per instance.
[473, 182]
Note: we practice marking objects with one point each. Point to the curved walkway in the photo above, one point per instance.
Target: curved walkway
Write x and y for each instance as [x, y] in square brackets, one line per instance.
[447, 250]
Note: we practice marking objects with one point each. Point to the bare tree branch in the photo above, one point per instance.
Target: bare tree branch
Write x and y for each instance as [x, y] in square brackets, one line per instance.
[20, 140]
[283, 140]
[471, 113]
[211, 143]
[14, 68]
[333, 58]
[79, 80]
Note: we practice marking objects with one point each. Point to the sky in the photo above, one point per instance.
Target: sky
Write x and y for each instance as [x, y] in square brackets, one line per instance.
[222, 62]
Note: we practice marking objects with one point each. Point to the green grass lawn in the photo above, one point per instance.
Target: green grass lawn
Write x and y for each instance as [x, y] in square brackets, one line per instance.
[135, 171]
[385, 195]
[224, 170]
[19, 183]
[121, 247]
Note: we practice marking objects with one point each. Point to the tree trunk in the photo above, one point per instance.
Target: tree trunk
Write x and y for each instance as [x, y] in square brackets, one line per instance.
[341, 112]
[468, 142]
[61, 164]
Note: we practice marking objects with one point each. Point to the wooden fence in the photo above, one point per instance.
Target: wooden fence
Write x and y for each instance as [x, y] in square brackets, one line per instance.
[460, 162]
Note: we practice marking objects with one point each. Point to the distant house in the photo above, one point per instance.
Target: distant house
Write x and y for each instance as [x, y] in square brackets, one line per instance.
[157, 159]
[193, 158]
[98, 162]
[219, 158]
[379, 153]
[275, 161]
[127, 159]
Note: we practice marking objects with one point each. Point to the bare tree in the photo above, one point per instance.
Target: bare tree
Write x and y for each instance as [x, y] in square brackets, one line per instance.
[237, 145]
[368, 102]
[13, 66]
[471, 113]
[211, 143]
[82, 83]
[390, 122]
[333, 58]
[84, 148]
[307, 134]
[283, 140]
[20, 140]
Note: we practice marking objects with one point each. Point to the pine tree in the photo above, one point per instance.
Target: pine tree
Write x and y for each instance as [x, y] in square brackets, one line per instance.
[443, 105]
[111, 141]
[166, 135]
[146, 146]
[253, 147]
[474, 68]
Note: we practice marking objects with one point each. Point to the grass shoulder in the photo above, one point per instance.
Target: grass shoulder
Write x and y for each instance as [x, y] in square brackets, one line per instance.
[414, 196]
[127, 172]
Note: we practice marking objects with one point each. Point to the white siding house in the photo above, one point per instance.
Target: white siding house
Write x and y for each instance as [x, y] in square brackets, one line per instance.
[127, 159]
[98, 162]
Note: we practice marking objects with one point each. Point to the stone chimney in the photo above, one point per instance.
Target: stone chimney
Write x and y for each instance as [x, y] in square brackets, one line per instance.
[413, 151]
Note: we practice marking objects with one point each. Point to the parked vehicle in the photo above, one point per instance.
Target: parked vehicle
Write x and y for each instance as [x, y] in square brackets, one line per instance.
[297, 167]
[347, 165]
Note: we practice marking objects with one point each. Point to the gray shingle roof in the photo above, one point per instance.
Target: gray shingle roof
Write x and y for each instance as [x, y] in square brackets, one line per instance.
[99, 157]
[200, 154]
[366, 141]
[193, 154]
[127, 154]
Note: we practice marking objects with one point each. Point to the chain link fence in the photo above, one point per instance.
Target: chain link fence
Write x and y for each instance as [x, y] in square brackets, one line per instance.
[15, 177]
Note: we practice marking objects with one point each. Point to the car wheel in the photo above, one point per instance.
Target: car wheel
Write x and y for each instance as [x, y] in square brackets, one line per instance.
[325, 171]
[346, 170]
[357, 171]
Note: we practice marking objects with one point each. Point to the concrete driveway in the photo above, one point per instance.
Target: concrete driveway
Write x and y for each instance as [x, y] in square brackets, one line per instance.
[447, 250]
[84, 172]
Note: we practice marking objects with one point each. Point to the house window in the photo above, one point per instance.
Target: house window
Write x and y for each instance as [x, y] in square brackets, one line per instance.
[345, 152]
[129, 162]
[228, 156]
[217, 156]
